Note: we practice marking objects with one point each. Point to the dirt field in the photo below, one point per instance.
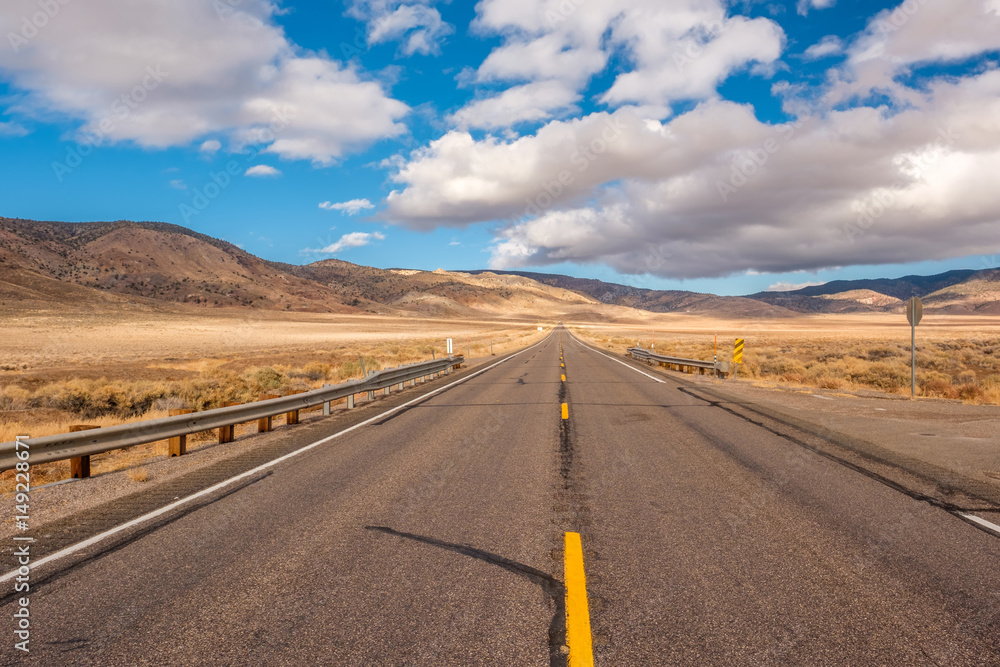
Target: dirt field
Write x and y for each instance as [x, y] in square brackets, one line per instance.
[110, 369]
[957, 357]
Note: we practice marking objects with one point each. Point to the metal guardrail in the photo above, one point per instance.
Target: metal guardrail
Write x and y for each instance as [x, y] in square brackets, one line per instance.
[663, 360]
[64, 446]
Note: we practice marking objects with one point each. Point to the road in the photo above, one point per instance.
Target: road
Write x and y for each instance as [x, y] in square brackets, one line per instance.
[435, 535]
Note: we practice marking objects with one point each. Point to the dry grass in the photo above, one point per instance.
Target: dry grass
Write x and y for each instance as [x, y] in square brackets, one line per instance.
[113, 372]
[955, 360]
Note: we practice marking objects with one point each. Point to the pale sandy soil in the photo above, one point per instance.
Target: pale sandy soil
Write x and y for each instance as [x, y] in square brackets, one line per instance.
[957, 357]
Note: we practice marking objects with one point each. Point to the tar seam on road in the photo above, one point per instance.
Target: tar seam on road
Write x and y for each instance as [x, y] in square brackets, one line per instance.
[62, 553]
[552, 588]
[578, 637]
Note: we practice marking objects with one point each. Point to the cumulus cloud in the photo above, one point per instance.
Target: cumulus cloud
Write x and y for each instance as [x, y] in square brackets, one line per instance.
[169, 73]
[914, 33]
[260, 170]
[417, 26]
[677, 50]
[531, 102]
[210, 146]
[352, 207]
[351, 240]
[715, 191]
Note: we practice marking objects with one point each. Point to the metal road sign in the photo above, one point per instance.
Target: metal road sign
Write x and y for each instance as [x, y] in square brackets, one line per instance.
[738, 351]
[914, 311]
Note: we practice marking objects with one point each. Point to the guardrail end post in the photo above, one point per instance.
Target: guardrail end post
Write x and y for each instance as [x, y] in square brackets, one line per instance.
[177, 446]
[79, 466]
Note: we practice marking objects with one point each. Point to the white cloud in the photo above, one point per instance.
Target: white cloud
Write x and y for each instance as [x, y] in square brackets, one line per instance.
[715, 191]
[200, 68]
[831, 45]
[530, 102]
[178, 184]
[678, 50]
[909, 34]
[789, 287]
[262, 170]
[210, 146]
[417, 26]
[804, 6]
[352, 207]
[11, 129]
[351, 240]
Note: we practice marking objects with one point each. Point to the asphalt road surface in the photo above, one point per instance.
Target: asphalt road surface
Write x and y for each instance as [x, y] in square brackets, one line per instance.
[435, 536]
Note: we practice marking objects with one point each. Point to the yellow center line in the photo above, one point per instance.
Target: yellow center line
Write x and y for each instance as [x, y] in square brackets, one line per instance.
[563, 377]
[565, 410]
[562, 365]
[578, 638]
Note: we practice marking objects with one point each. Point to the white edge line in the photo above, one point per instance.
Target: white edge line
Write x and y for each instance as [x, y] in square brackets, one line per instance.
[982, 522]
[62, 553]
[629, 366]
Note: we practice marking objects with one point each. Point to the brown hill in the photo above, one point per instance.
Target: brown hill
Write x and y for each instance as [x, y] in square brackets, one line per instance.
[153, 262]
[155, 265]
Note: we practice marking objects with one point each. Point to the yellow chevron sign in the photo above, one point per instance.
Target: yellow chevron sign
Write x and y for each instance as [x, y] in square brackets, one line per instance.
[738, 351]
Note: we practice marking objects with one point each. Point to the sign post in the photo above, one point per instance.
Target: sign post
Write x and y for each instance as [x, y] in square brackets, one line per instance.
[914, 312]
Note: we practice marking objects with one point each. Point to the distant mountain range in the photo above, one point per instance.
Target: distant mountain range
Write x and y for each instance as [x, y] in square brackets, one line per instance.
[57, 266]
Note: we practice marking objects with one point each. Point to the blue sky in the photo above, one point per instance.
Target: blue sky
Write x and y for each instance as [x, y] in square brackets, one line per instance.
[674, 144]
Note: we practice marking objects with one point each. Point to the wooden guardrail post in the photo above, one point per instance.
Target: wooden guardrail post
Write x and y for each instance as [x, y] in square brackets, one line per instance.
[293, 416]
[264, 423]
[177, 446]
[227, 433]
[79, 466]
[350, 402]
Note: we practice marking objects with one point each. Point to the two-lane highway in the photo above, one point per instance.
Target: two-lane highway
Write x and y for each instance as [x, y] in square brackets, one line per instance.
[435, 536]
